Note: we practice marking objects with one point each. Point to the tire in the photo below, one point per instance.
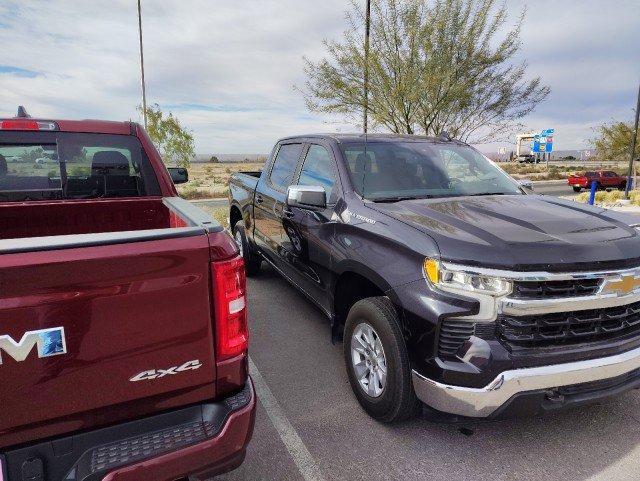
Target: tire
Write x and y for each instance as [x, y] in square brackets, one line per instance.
[252, 262]
[623, 186]
[577, 189]
[396, 400]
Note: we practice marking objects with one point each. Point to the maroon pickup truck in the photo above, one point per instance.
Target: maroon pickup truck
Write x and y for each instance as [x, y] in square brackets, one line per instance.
[604, 179]
[123, 326]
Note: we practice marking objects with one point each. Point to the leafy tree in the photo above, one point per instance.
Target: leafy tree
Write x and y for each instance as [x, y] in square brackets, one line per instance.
[613, 141]
[173, 141]
[433, 66]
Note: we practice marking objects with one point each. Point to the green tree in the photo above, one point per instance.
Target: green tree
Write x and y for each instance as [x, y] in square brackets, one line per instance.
[434, 66]
[173, 141]
[613, 141]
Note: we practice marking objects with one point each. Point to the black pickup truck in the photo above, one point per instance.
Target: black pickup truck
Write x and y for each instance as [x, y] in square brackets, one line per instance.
[448, 281]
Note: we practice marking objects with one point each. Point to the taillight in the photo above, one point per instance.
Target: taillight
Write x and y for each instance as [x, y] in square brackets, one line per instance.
[26, 124]
[229, 297]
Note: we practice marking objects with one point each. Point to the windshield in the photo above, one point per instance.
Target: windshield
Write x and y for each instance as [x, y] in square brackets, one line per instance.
[397, 170]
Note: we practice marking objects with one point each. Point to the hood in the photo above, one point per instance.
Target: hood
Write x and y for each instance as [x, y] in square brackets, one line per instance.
[523, 232]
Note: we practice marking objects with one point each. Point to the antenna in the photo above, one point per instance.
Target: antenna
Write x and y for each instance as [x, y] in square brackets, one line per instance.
[22, 113]
[444, 136]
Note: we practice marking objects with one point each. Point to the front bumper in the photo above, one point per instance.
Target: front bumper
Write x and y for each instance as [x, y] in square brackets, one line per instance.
[489, 400]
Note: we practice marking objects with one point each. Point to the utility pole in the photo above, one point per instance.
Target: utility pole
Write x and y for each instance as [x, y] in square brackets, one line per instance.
[634, 137]
[144, 89]
[366, 66]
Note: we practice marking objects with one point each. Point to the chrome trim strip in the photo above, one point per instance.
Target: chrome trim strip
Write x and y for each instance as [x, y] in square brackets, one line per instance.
[529, 307]
[482, 402]
[541, 275]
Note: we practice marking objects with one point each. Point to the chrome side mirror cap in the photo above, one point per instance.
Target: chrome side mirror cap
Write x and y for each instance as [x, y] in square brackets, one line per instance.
[307, 197]
[526, 184]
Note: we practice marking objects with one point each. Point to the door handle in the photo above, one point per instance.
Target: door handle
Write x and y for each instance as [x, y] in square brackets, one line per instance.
[259, 199]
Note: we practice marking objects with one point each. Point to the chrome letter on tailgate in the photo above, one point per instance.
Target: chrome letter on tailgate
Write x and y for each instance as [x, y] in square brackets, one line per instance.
[50, 342]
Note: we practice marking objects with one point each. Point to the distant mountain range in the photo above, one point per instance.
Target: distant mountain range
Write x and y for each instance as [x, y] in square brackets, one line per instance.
[231, 157]
[578, 154]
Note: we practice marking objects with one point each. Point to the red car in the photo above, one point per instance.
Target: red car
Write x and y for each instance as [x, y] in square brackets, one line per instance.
[604, 178]
[123, 324]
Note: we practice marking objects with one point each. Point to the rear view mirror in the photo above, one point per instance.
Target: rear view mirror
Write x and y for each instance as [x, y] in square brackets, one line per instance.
[307, 197]
[179, 175]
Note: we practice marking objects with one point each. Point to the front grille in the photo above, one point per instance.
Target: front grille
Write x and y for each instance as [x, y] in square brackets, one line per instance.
[569, 327]
[551, 289]
[453, 335]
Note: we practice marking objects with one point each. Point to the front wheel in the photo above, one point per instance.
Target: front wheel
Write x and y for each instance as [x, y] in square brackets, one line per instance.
[252, 262]
[577, 189]
[377, 361]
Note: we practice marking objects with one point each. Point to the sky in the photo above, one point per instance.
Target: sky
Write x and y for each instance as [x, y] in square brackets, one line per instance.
[227, 69]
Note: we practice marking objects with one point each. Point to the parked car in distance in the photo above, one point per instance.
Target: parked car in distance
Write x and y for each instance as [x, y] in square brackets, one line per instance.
[527, 159]
[123, 336]
[447, 281]
[605, 179]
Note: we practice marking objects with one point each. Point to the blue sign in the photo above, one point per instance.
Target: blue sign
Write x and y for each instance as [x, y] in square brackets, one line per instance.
[543, 142]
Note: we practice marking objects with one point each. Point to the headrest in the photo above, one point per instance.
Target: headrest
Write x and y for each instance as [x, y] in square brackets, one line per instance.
[3, 166]
[363, 163]
[109, 162]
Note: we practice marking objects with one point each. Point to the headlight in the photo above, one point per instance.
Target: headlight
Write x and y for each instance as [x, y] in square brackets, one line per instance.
[463, 280]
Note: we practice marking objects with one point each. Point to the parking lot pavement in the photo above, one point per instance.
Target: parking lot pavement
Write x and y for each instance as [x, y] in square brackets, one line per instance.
[304, 373]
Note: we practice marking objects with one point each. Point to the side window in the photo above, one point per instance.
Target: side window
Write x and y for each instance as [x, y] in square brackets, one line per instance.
[318, 169]
[285, 165]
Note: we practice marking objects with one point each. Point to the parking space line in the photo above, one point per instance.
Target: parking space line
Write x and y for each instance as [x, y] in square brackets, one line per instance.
[301, 456]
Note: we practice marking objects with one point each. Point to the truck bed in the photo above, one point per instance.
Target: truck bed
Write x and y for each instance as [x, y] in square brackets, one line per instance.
[71, 223]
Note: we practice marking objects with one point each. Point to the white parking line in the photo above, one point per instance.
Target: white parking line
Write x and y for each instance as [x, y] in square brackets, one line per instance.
[289, 436]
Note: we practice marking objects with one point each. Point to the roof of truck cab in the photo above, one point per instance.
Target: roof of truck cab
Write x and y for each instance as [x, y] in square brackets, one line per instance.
[348, 138]
[86, 126]
[95, 126]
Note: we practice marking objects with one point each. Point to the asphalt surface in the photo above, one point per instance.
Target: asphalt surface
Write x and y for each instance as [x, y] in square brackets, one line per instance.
[326, 435]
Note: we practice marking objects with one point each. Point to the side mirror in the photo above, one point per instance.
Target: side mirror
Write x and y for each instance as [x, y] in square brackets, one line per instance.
[307, 197]
[526, 184]
[179, 175]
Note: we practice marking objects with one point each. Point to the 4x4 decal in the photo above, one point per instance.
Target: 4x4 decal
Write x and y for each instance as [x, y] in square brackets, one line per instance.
[160, 373]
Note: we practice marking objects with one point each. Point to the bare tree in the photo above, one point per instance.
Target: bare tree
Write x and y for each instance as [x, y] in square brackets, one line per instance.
[434, 66]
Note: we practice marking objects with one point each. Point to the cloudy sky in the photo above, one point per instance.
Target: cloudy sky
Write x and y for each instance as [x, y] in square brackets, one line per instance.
[227, 68]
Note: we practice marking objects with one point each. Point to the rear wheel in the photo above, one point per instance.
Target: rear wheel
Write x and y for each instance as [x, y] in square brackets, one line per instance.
[577, 189]
[252, 262]
[377, 361]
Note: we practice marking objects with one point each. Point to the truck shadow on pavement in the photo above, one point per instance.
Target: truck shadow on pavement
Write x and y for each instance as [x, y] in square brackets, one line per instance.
[290, 345]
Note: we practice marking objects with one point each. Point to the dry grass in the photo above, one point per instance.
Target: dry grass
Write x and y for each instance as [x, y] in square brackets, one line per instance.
[210, 180]
[608, 198]
[221, 214]
[540, 172]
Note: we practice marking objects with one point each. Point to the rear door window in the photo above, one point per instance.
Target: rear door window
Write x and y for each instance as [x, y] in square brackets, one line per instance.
[59, 165]
[284, 165]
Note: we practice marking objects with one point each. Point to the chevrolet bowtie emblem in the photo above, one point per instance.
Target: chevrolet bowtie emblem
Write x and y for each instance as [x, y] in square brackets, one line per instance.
[625, 285]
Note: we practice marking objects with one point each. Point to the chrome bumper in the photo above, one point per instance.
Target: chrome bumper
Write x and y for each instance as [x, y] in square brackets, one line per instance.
[482, 402]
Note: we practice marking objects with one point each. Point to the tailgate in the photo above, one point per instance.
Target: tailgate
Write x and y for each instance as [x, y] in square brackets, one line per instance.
[92, 335]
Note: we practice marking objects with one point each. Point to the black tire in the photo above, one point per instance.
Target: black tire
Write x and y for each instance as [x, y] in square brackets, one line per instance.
[398, 400]
[577, 189]
[623, 186]
[252, 262]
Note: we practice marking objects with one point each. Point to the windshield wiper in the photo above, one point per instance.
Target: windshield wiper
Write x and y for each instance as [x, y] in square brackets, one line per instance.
[398, 198]
[486, 193]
